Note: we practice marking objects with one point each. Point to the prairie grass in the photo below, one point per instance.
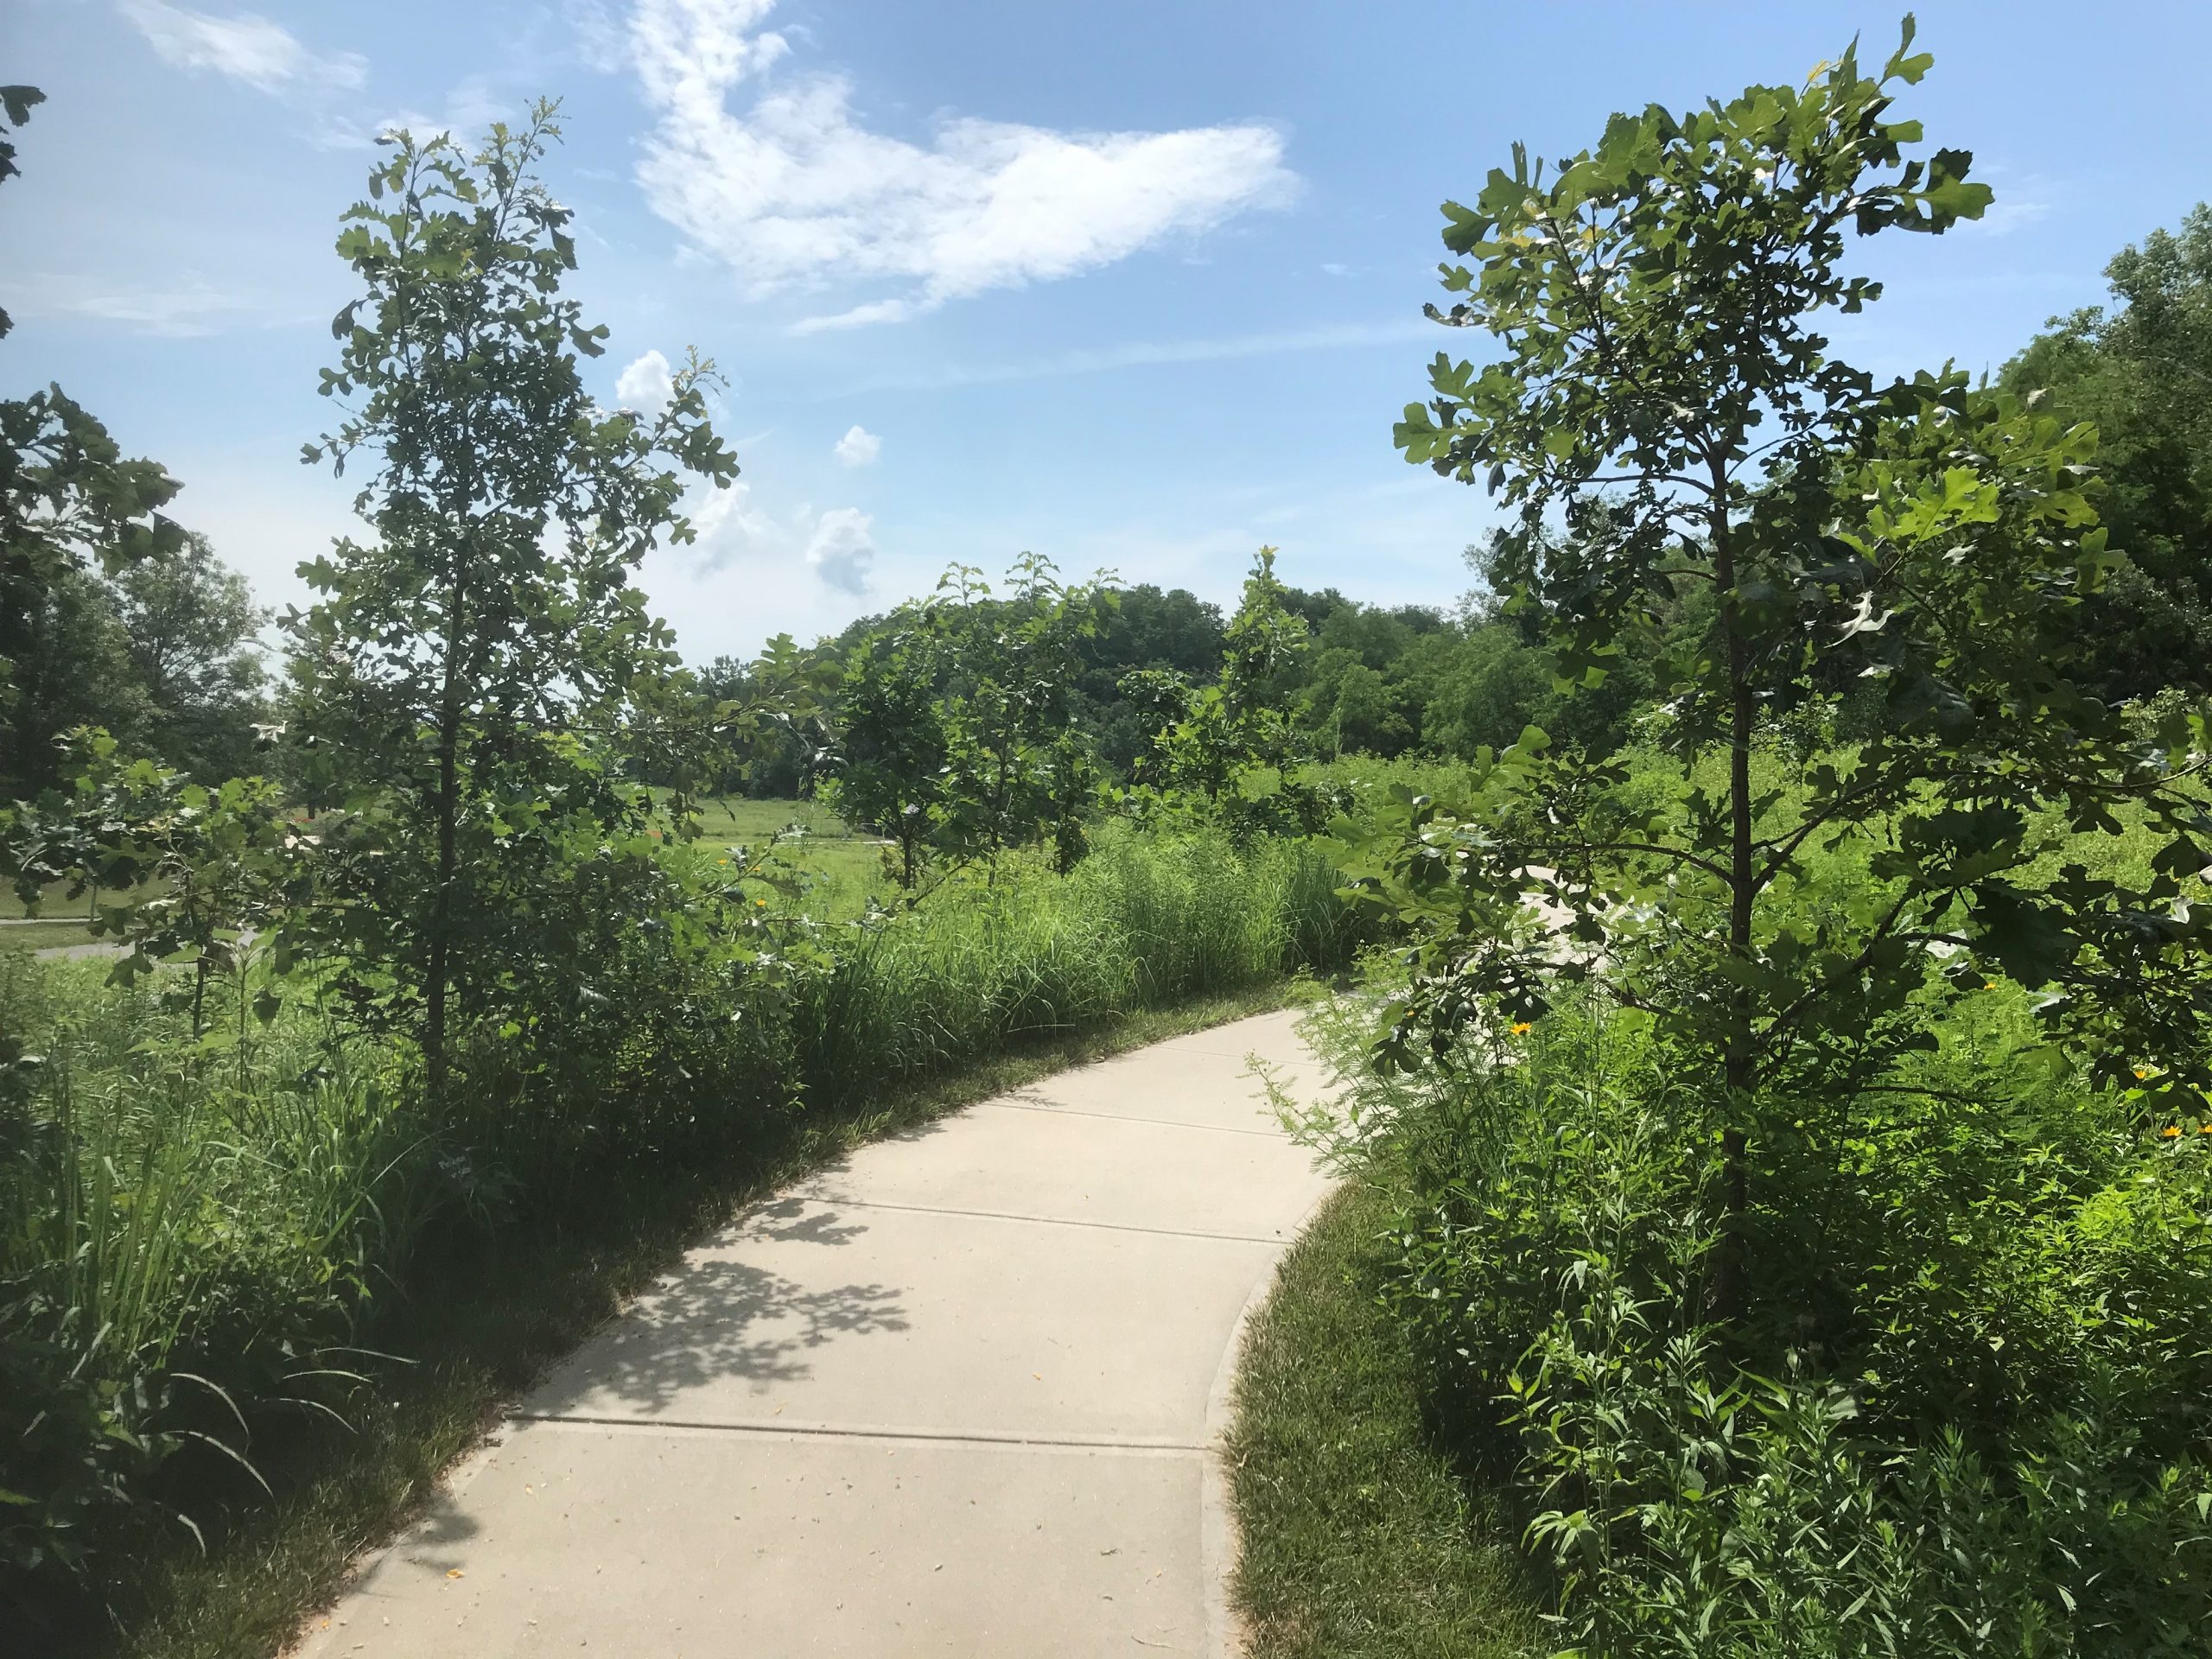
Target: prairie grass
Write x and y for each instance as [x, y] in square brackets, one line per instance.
[1021, 953]
[254, 1265]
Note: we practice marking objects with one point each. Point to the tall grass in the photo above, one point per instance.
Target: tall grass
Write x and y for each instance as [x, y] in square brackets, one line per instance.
[198, 1237]
[188, 1231]
[1140, 924]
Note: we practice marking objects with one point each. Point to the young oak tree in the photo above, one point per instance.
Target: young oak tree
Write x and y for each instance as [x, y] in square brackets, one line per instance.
[1224, 749]
[468, 656]
[1016, 768]
[1660, 385]
[958, 732]
[893, 745]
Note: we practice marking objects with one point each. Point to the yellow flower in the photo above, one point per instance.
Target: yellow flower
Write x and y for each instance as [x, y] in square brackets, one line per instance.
[760, 904]
[1522, 1027]
[2141, 1072]
[2169, 1133]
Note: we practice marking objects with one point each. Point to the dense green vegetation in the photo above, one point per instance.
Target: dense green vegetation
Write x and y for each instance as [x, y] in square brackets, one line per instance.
[1776, 1085]
[479, 974]
[1360, 1538]
[1792, 1123]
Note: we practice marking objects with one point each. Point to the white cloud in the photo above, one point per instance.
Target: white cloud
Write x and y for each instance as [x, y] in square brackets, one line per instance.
[859, 448]
[2005, 215]
[729, 527]
[472, 104]
[246, 48]
[732, 528]
[843, 549]
[646, 384]
[187, 308]
[795, 193]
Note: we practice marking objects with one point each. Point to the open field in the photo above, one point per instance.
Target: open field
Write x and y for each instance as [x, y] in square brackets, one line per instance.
[44, 934]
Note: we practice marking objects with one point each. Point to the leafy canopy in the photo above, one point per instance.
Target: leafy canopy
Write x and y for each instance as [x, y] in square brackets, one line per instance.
[1880, 728]
[462, 680]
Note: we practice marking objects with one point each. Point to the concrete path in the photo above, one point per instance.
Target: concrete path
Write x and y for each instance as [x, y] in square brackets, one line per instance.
[957, 1396]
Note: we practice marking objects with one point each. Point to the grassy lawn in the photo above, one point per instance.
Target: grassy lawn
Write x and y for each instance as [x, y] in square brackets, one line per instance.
[845, 869]
[43, 934]
[735, 817]
[1359, 1539]
[53, 902]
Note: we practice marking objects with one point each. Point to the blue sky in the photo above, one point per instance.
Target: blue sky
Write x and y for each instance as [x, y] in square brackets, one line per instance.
[1134, 284]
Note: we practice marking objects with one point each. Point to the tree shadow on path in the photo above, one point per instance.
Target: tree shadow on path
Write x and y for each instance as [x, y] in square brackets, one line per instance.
[724, 1315]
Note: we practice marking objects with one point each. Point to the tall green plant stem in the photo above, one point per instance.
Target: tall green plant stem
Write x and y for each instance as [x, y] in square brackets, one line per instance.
[1738, 1061]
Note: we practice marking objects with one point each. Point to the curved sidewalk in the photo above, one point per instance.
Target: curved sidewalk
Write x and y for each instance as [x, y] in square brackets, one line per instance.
[958, 1395]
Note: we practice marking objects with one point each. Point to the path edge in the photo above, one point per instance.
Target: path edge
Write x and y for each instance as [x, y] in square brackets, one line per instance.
[1220, 1538]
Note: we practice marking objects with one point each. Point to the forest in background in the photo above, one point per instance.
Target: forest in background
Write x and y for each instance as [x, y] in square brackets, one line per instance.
[163, 654]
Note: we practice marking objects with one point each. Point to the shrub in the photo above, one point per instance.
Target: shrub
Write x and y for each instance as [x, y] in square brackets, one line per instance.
[1982, 1434]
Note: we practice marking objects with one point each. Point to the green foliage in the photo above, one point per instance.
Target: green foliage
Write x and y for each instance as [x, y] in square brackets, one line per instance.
[451, 678]
[1144, 922]
[189, 622]
[160, 654]
[958, 738]
[188, 1231]
[1926, 538]
[895, 745]
[185, 869]
[1223, 751]
[764, 728]
[2142, 375]
[1975, 1429]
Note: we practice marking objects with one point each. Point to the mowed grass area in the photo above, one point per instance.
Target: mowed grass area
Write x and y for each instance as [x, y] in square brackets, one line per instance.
[842, 867]
[54, 903]
[43, 935]
[1359, 1539]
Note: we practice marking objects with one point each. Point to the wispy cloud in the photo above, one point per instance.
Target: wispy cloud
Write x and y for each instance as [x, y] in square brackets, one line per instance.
[186, 310]
[1145, 353]
[324, 86]
[793, 192]
[471, 104]
[2007, 214]
[2021, 199]
[245, 46]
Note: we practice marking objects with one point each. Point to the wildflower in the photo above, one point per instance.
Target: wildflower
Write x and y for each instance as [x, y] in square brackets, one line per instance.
[760, 904]
[1522, 1027]
[721, 861]
[2204, 1129]
[2169, 1133]
[1988, 984]
[2141, 1072]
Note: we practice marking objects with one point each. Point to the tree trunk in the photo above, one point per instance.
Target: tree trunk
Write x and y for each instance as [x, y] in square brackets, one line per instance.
[1728, 1289]
[437, 964]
